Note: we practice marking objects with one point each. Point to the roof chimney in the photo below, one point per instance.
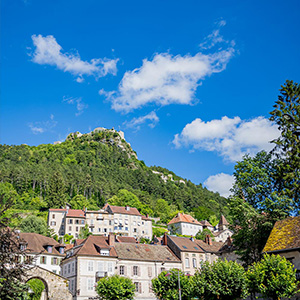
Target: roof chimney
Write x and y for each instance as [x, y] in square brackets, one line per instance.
[192, 238]
[165, 239]
[127, 207]
[147, 216]
[208, 240]
[229, 241]
[111, 239]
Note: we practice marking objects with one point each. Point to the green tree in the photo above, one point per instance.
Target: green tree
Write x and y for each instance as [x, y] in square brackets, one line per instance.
[34, 224]
[165, 286]
[79, 202]
[257, 203]
[286, 115]
[115, 287]
[11, 285]
[273, 277]
[68, 238]
[84, 232]
[56, 191]
[201, 235]
[221, 280]
[202, 213]
[37, 287]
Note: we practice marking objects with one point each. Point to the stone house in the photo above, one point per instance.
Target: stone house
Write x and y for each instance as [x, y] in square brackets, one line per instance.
[223, 232]
[42, 251]
[99, 256]
[285, 241]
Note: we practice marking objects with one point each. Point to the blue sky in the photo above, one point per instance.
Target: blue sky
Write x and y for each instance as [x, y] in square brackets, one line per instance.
[191, 83]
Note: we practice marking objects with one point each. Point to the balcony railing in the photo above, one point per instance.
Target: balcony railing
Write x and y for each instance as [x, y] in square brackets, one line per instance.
[101, 274]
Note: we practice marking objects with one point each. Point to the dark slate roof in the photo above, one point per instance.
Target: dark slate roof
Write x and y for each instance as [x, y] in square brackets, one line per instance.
[185, 244]
[145, 252]
[285, 235]
[37, 243]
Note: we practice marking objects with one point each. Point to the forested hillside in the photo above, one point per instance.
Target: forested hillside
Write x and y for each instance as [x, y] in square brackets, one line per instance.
[87, 170]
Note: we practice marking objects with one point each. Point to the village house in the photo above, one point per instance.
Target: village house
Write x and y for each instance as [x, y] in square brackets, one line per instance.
[125, 221]
[285, 241]
[99, 256]
[223, 232]
[42, 251]
[185, 225]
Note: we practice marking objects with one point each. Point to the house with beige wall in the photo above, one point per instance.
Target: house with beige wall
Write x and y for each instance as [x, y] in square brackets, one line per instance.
[284, 240]
[100, 256]
[125, 221]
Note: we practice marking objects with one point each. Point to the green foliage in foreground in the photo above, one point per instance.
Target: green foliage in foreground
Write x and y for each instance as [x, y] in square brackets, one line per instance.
[115, 288]
[37, 287]
[221, 280]
[165, 286]
[273, 277]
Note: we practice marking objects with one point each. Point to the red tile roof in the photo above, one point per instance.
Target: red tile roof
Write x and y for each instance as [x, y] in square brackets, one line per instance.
[122, 210]
[36, 243]
[126, 239]
[223, 221]
[72, 213]
[206, 223]
[180, 217]
[184, 244]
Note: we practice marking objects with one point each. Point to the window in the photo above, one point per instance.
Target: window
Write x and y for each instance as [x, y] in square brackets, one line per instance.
[43, 260]
[187, 262]
[70, 221]
[90, 284]
[138, 287]
[134, 223]
[53, 223]
[70, 228]
[126, 228]
[109, 222]
[53, 216]
[76, 221]
[73, 267]
[99, 229]
[105, 229]
[90, 266]
[194, 263]
[69, 268]
[135, 270]
[122, 270]
[110, 267]
[162, 269]
[150, 271]
[54, 261]
[82, 221]
[116, 227]
[76, 235]
[77, 228]
[134, 230]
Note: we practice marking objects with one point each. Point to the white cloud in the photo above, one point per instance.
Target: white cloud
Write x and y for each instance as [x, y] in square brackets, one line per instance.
[167, 79]
[230, 138]
[49, 52]
[80, 105]
[221, 183]
[41, 127]
[152, 118]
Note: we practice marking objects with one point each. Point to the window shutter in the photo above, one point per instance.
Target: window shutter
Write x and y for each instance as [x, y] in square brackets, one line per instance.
[52, 261]
[139, 271]
[140, 287]
[41, 259]
[125, 270]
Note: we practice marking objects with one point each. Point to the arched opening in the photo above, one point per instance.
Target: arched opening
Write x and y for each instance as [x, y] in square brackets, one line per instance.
[38, 289]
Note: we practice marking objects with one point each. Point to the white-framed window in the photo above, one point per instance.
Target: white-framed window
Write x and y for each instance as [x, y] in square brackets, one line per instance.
[187, 262]
[110, 267]
[73, 267]
[138, 287]
[90, 266]
[90, 284]
[135, 270]
[150, 272]
[43, 260]
[122, 270]
[194, 263]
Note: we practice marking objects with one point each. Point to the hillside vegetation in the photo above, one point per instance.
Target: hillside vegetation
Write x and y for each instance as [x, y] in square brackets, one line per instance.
[91, 169]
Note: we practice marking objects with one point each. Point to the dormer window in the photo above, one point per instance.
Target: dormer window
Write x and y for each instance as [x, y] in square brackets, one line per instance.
[23, 247]
[61, 250]
[49, 248]
[104, 252]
